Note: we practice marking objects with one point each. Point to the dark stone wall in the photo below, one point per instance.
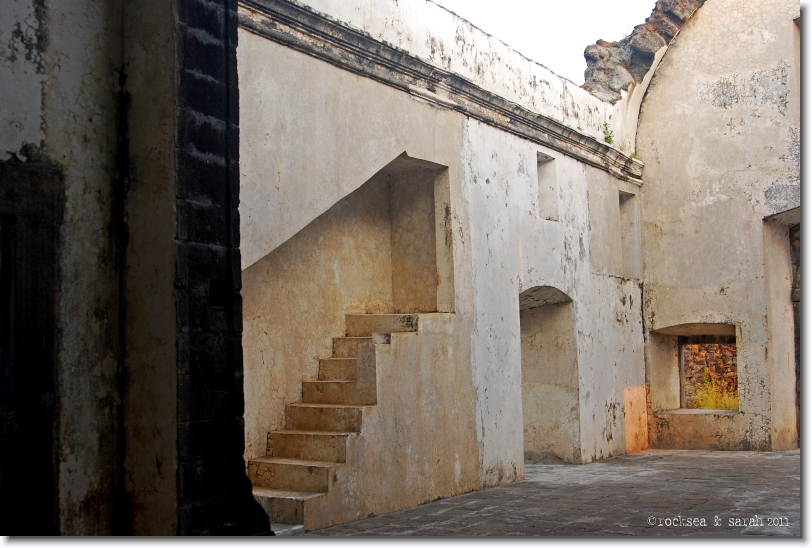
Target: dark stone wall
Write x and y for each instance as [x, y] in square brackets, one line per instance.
[214, 494]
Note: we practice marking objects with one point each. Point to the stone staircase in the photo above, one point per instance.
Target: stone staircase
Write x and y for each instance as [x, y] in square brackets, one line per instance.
[308, 459]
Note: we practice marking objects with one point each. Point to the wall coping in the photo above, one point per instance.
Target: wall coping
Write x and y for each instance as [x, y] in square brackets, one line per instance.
[304, 29]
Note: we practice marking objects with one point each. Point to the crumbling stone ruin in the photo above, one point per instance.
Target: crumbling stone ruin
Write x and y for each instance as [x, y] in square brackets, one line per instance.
[613, 67]
[309, 261]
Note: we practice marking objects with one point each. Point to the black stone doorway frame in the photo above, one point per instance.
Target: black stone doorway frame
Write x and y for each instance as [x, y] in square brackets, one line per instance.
[214, 494]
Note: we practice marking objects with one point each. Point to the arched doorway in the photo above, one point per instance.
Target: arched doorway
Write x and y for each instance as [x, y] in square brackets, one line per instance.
[550, 388]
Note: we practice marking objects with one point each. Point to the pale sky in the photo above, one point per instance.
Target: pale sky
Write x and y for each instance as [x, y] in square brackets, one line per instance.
[554, 32]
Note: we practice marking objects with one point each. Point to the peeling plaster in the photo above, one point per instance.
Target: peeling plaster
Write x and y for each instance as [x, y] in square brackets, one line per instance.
[22, 77]
[764, 87]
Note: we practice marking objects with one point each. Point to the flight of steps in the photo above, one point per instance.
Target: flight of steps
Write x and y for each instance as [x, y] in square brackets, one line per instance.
[306, 460]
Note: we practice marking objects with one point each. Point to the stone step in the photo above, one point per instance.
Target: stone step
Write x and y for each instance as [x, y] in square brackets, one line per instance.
[285, 506]
[326, 418]
[293, 474]
[347, 347]
[364, 325]
[287, 529]
[337, 392]
[338, 369]
[308, 445]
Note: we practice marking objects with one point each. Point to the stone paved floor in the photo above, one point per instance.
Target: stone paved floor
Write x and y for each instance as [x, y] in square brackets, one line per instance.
[619, 496]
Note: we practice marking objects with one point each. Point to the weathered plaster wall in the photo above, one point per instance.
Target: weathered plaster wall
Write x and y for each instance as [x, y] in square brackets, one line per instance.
[720, 138]
[22, 76]
[342, 262]
[317, 133]
[781, 341]
[515, 249]
[422, 433]
[513, 238]
[305, 156]
[94, 95]
[419, 442]
[609, 328]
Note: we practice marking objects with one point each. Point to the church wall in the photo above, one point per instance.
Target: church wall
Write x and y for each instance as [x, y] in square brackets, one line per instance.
[719, 132]
[303, 152]
[362, 191]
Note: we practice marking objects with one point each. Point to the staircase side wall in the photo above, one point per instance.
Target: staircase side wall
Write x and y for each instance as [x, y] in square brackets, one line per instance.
[419, 443]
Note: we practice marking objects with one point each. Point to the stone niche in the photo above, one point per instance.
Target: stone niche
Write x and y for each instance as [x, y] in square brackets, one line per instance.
[672, 382]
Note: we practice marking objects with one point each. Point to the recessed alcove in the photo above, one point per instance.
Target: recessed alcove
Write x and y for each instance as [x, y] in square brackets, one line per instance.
[550, 408]
[667, 371]
[547, 186]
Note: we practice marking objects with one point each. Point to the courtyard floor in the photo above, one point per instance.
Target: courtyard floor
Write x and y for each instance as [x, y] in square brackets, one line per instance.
[654, 493]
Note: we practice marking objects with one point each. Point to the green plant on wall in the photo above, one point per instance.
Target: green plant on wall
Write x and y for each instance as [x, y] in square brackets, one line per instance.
[608, 134]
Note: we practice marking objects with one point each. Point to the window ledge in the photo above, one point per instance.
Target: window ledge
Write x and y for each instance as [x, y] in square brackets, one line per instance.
[698, 412]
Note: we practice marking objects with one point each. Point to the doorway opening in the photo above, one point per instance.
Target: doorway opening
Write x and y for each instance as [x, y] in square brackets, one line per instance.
[550, 387]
